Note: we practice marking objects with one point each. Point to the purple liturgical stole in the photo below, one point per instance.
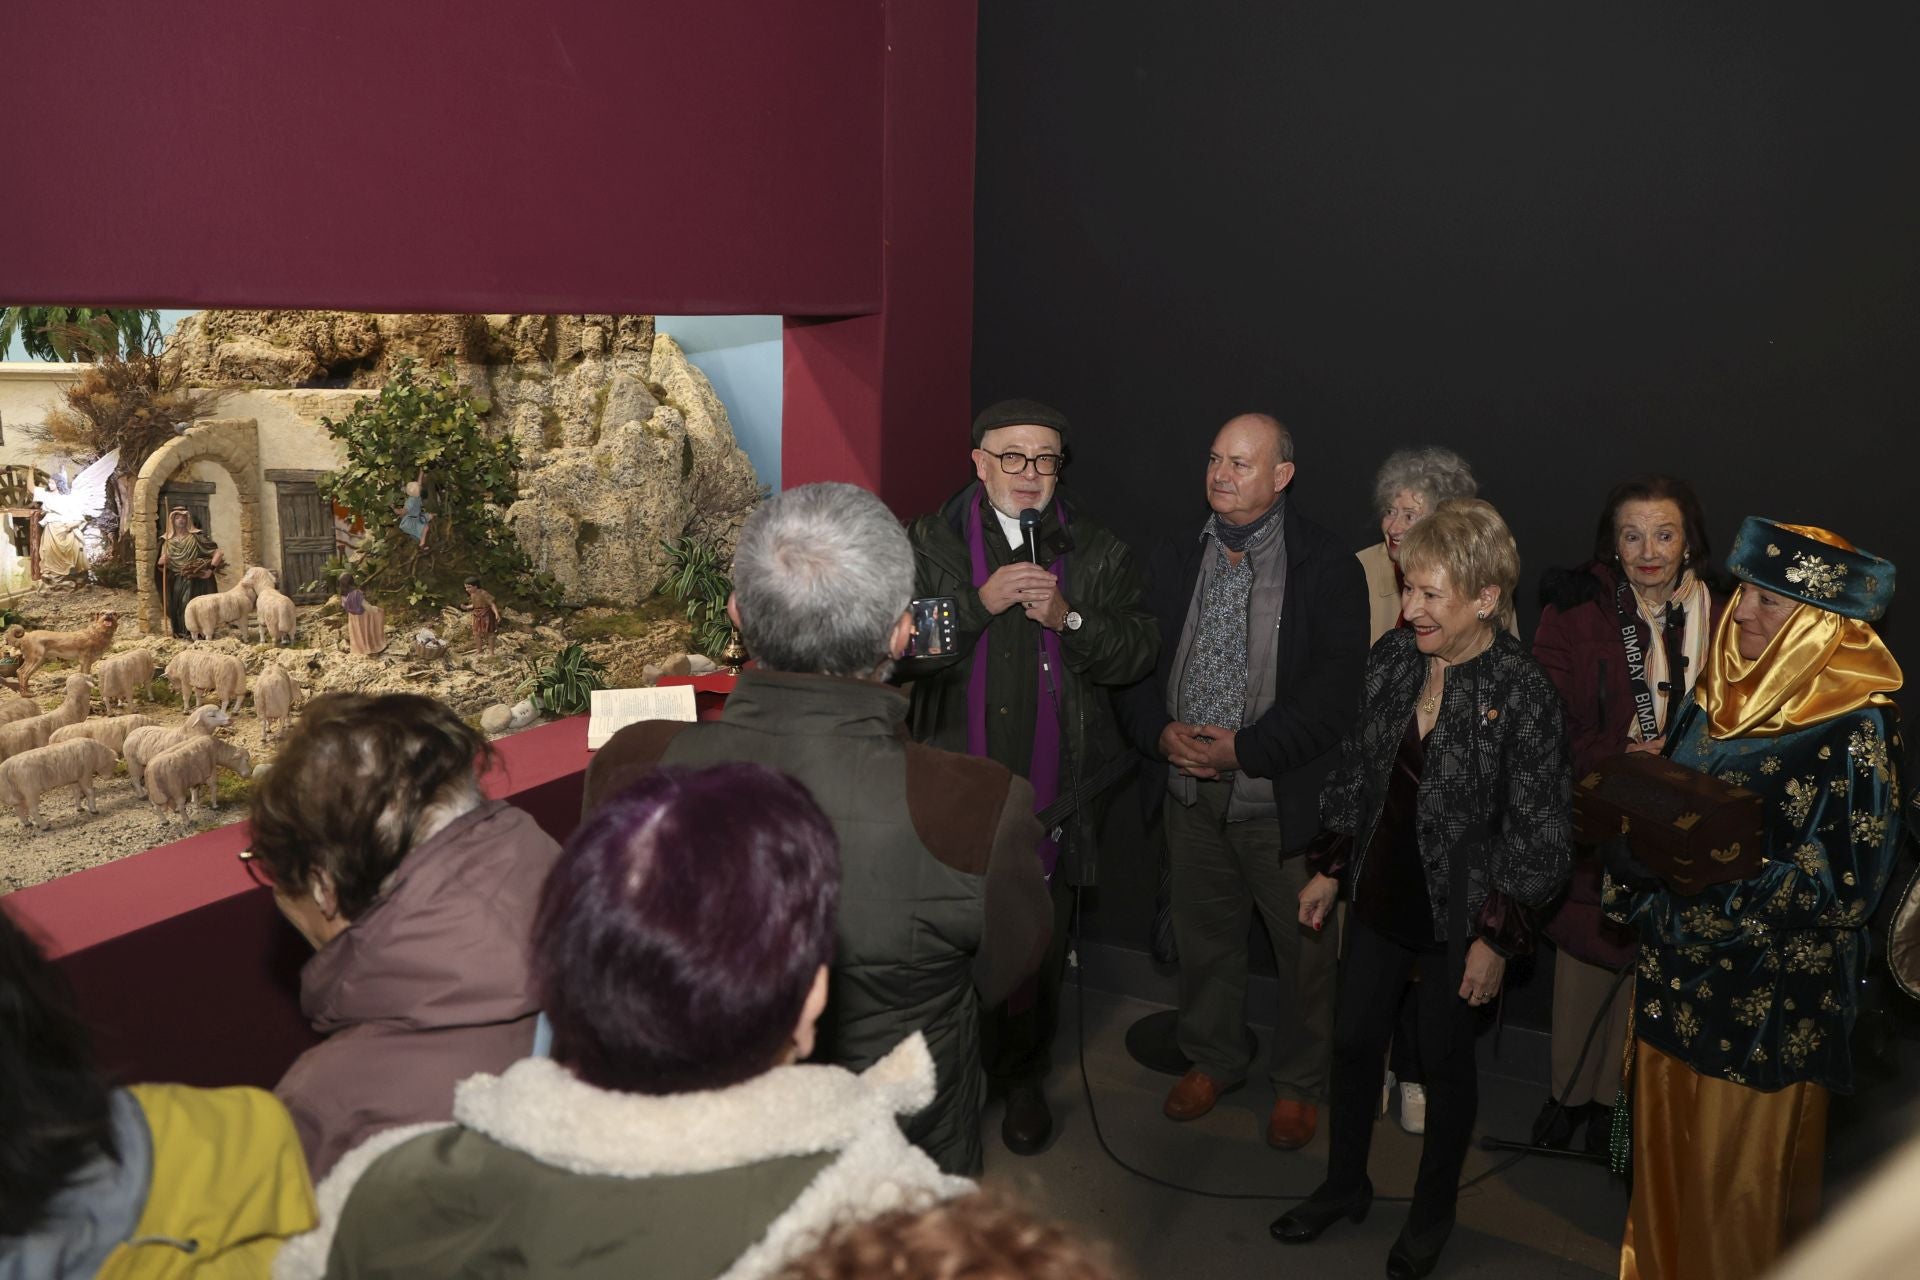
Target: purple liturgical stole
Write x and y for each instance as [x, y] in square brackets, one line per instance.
[1044, 772]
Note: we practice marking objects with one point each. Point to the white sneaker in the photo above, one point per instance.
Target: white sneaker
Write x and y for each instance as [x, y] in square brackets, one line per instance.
[1413, 1107]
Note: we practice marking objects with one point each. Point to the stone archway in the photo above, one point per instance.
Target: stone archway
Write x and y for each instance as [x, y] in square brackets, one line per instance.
[233, 443]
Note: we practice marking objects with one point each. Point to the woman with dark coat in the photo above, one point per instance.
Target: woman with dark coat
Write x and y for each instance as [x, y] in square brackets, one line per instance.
[1447, 818]
[417, 893]
[1635, 619]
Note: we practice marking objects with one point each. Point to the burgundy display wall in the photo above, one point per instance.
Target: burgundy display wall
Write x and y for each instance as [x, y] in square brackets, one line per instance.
[567, 156]
[881, 400]
[1571, 241]
[753, 156]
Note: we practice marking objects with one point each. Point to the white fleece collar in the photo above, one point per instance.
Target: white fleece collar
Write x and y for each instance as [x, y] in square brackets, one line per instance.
[539, 1108]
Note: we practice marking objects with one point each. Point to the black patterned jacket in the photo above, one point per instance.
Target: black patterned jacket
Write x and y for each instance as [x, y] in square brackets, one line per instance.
[1497, 754]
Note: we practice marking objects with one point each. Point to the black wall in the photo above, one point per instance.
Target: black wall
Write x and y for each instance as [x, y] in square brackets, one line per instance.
[1570, 241]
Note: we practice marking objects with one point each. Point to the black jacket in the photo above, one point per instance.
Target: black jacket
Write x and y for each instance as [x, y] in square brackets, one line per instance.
[1114, 646]
[1320, 654]
[1497, 787]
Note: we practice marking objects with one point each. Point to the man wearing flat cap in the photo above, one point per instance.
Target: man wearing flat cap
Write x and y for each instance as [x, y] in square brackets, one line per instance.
[1047, 619]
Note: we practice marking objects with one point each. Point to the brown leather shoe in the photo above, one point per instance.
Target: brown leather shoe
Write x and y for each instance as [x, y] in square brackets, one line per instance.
[1193, 1097]
[1292, 1124]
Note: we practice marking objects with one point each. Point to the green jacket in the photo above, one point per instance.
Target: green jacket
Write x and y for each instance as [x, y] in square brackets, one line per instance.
[1117, 644]
[941, 901]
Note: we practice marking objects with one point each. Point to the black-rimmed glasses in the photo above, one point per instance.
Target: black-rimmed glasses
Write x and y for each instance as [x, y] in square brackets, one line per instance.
[1046, 464]
[256, 869]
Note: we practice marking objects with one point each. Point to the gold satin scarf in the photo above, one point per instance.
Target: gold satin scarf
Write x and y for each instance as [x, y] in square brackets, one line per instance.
[1819, 666]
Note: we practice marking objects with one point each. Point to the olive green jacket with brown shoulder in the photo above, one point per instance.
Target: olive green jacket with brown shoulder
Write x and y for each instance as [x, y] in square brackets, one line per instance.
[941, 900]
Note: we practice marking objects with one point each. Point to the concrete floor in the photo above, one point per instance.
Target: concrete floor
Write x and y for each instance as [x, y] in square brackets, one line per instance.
[1540, 1219]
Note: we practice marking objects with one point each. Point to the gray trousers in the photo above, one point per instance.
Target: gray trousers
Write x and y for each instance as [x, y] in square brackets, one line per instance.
[1222, 873]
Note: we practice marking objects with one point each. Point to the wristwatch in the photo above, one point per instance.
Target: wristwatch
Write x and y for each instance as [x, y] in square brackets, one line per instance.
[1074, 620]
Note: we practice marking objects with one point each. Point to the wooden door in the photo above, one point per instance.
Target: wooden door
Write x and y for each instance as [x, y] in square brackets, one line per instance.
[306, 539]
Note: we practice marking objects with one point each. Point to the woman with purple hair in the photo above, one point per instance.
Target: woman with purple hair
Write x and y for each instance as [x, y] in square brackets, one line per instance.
[681, 949]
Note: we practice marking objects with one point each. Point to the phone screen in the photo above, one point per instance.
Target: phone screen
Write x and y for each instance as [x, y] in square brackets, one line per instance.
[932, 626]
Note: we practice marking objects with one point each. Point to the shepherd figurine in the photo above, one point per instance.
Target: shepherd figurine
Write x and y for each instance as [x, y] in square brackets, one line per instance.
[486, 616]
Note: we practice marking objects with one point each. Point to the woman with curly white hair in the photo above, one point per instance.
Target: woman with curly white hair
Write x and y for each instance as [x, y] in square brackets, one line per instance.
[1409, 485]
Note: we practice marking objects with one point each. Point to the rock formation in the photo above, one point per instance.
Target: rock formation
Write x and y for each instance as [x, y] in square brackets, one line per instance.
[624, 443]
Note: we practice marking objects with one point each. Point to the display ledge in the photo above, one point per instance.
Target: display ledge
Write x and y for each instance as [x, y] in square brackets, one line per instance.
[183, 967]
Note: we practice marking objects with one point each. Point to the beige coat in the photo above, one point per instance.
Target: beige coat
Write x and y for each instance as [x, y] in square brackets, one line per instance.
[1383, 591]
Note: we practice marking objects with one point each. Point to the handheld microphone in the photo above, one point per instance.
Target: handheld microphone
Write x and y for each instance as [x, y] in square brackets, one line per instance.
[1029, 522]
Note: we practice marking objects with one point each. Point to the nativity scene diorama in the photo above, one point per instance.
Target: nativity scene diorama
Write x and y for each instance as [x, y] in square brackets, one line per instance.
[489, 509]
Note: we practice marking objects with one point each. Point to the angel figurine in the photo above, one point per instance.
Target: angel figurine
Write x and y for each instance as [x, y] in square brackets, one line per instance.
[415, 520]
[71, 536]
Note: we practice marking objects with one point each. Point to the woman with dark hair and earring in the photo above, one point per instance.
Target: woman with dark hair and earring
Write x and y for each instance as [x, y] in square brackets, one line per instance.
[1447, 819]
[1623, 637]
[1746, 990]
[682, 946]
[417, 893]
[98, 1183]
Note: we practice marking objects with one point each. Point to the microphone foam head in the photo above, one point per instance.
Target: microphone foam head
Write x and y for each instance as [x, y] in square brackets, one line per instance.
[1030, 518]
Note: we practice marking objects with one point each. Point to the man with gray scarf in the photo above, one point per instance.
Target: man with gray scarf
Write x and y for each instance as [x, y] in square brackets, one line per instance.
[1263, 623]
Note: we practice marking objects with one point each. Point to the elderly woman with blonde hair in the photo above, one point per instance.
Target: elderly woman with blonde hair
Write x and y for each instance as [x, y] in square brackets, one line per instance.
[1447, 820]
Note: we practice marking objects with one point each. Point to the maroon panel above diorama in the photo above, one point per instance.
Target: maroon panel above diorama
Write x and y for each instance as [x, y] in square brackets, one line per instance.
[567, 156]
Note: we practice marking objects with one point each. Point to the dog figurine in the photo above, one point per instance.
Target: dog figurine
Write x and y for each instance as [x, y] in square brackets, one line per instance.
[83, 647]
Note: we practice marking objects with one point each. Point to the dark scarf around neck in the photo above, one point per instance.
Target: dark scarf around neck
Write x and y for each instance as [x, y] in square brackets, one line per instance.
[1235, 537]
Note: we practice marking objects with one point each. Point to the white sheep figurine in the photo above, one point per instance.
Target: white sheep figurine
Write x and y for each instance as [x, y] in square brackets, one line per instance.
[273, 695]
[110, 731]
[122, 676]
[143, 745]
[206, 615]
[221, 674]
[176, 773]
[25, 735]
[31, 774]
[274, 614]
[14, 707]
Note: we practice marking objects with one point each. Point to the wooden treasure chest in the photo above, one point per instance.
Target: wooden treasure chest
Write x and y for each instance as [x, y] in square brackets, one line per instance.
[1687, 827]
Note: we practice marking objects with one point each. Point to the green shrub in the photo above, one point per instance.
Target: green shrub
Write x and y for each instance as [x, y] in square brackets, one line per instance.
[564, 687]
[430, 425]
[698, 579]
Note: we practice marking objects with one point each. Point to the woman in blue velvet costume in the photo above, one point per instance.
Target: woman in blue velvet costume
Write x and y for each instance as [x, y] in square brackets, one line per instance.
[1744, 997]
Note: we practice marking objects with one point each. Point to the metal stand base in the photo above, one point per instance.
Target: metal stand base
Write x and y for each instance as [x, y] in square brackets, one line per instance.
[1154, 1043]
[1535, 1149]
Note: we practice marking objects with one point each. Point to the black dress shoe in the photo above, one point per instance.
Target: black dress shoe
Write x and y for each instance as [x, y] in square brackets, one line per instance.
[1600, 1131]
[1028, 1124]
[1413, 1256]
[1306, 1220]
[1555, 1125]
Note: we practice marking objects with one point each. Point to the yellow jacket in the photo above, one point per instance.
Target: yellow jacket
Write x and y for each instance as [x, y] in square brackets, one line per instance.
[229, 1185]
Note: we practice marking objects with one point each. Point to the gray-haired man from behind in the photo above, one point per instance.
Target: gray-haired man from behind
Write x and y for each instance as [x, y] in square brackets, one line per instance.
[941, 897]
